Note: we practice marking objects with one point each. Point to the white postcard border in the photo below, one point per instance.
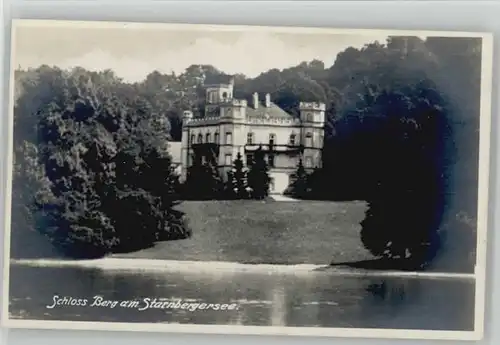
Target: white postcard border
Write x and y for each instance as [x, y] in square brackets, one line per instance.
[482, 213]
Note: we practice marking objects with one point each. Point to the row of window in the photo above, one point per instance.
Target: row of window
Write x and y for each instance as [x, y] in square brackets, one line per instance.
[208, 138]
[272, 138]
[270, 160]
[250, 138]
[228, 160]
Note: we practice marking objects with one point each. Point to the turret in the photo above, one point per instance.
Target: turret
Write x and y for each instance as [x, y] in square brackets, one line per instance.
[234, 110]
[312, 112]
[312, 116]
[220, 92]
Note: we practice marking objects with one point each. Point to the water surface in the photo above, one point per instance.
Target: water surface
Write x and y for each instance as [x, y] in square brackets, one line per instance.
[316, 299]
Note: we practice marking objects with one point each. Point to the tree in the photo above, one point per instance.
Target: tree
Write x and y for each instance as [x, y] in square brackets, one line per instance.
[237, 179]
[212, 180]
[193, 186]
[34, 88]
[258, 176]
[110, 185]
[392, 119]
[300, 184]
[203, 181]
[405, 201]
[74, 164]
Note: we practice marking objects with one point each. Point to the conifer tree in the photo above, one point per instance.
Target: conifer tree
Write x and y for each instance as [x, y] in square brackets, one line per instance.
[191, 188]
[300, 184]
[212, 181]
[258, 176]
[237, 179]
[203, 179]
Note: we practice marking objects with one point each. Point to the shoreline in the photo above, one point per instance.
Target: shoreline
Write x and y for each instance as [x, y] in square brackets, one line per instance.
[148, 265]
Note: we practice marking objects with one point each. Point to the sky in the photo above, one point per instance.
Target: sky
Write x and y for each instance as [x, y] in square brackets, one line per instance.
[133, 53]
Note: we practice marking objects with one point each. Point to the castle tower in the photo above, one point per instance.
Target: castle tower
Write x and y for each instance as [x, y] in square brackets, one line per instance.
[232, 128]
[187, 116]
[233, 110]
[312, 116]
[217, 94]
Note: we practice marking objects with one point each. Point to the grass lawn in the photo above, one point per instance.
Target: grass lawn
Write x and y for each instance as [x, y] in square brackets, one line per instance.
[312, 232]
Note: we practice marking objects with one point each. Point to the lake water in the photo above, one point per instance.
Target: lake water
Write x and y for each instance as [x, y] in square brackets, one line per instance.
[321, 299]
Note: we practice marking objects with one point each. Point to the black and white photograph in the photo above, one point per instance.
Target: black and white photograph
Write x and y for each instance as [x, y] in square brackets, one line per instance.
[247, 180]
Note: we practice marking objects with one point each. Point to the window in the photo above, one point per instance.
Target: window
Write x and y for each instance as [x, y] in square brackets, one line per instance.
[308, 162]
[249, 159]
[250, 138]
[270, 161]
[224, 95]
[272, 139]
[310, 117]
[229, 159]
[292, 139]
[192, 139]
[216, 138]
[200, 138]
[212, 97]
[208, 138]
[229, 138]
[309, 139]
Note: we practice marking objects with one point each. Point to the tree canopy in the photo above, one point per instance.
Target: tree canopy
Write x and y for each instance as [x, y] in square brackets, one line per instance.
[102, 176]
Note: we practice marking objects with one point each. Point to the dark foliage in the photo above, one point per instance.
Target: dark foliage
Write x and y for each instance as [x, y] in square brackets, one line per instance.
[258, 176]
[237, 180]
[300, 187]
[103, 181]
[203, 181]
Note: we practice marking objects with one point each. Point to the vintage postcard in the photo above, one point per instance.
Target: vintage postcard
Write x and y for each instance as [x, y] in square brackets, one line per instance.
[247, 180]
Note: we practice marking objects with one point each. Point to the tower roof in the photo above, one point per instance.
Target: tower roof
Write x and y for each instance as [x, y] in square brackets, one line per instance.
[218, 79]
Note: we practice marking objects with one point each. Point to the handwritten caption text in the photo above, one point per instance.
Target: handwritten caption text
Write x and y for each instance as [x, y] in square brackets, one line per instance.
[139, 304]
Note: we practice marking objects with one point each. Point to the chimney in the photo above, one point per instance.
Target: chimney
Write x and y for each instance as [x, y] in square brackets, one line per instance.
[187, 115]
[268, 100]
[255, 100]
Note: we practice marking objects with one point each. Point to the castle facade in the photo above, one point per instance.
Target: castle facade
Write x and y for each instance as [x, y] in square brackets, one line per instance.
[230, 125]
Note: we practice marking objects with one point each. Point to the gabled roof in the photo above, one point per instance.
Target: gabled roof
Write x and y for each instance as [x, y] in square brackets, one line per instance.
[273, 111]
[175, 148]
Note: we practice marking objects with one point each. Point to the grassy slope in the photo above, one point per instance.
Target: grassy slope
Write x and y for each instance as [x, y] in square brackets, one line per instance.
[267, 232]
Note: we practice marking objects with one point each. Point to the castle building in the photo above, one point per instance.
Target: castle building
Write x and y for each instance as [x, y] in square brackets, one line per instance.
[230, 125]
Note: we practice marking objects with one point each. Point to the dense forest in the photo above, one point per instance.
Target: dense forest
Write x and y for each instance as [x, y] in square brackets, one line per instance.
[402, 134]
